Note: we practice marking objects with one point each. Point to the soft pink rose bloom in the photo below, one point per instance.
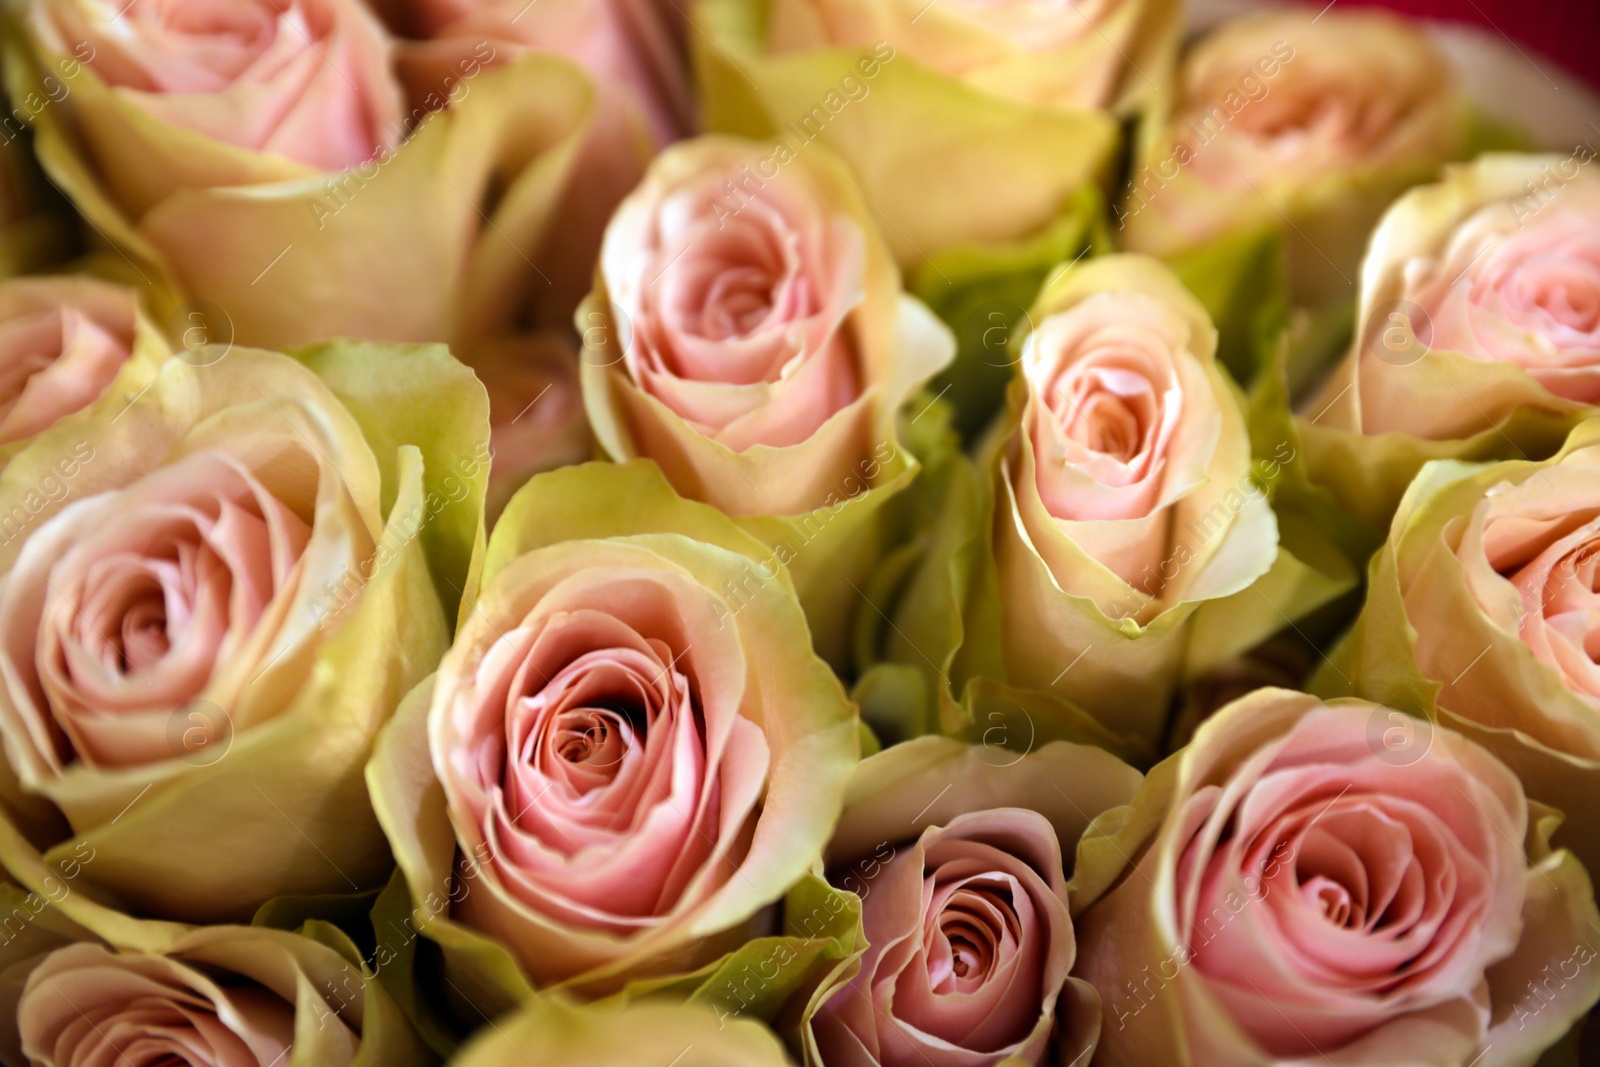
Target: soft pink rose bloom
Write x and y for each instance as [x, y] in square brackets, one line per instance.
[307, 80]
[1305, 890]
[145, 613]
[970, 942]
[84, 1006]
[62, 341]
[1122, 420]
[960, 857]
[617, 778]
[1514, 282]
[735, 312]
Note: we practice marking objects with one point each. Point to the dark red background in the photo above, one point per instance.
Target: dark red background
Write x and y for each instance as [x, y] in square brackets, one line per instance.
[1567, 31]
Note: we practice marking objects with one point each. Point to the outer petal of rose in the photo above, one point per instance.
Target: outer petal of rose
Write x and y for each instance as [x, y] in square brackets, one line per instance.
[285, 240]
[536, 417]
[1448, 406]
[315, 970]
[883, 135]
[142, 824]
[552, 1034]
[897, 793]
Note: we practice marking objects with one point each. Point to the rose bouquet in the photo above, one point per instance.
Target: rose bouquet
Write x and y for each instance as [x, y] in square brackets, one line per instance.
[808, 533]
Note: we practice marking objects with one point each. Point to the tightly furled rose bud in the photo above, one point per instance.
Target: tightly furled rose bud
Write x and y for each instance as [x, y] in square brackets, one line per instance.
[1313, 126]
[748, 333]
[1056, 55]
[222, 996]
[553, 1034]
[960, 856]
[1479, 331]
[1289, 888]
[221, 605]
[1126, 498]
[63, 342]
[634, 763]
[1482, 604]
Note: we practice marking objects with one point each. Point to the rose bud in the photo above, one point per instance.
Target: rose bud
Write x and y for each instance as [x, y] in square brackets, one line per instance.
[748, 333]
[552, 1033]
[64, 341]
[222, 996]
[199, 642]
[1312, 127]
[889, 90]
[960, 856]
[1289, 888]
[1478, 335]
[1129, 522]
[258, 155]
[628, 753]
[1481, 608]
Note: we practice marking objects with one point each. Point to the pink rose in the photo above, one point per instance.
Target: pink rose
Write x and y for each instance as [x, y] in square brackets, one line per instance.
[749, 315]
[1126, 495]
[62, 342]
[307, 80]
[637, 752]
[960, 857]
[1301, 889]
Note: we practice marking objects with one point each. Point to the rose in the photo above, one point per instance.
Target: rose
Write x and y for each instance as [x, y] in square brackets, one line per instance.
[1479, 606]
[1477, 335]
[634, 759]
[1127, 511]
[243, 153]
[964, 906]
[221, 605]
[548, 1032]
[633, 53]
[754, 342]
[1289, 887]
[1057, 55]
[63, 342]
[1272, 124]
[868, 80]
[308, 82]
[227, 996]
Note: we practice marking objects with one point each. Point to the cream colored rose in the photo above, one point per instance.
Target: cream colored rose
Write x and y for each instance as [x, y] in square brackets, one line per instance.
[1309, 126]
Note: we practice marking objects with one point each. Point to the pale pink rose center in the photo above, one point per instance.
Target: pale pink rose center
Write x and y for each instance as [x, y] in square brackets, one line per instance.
[143, 613]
